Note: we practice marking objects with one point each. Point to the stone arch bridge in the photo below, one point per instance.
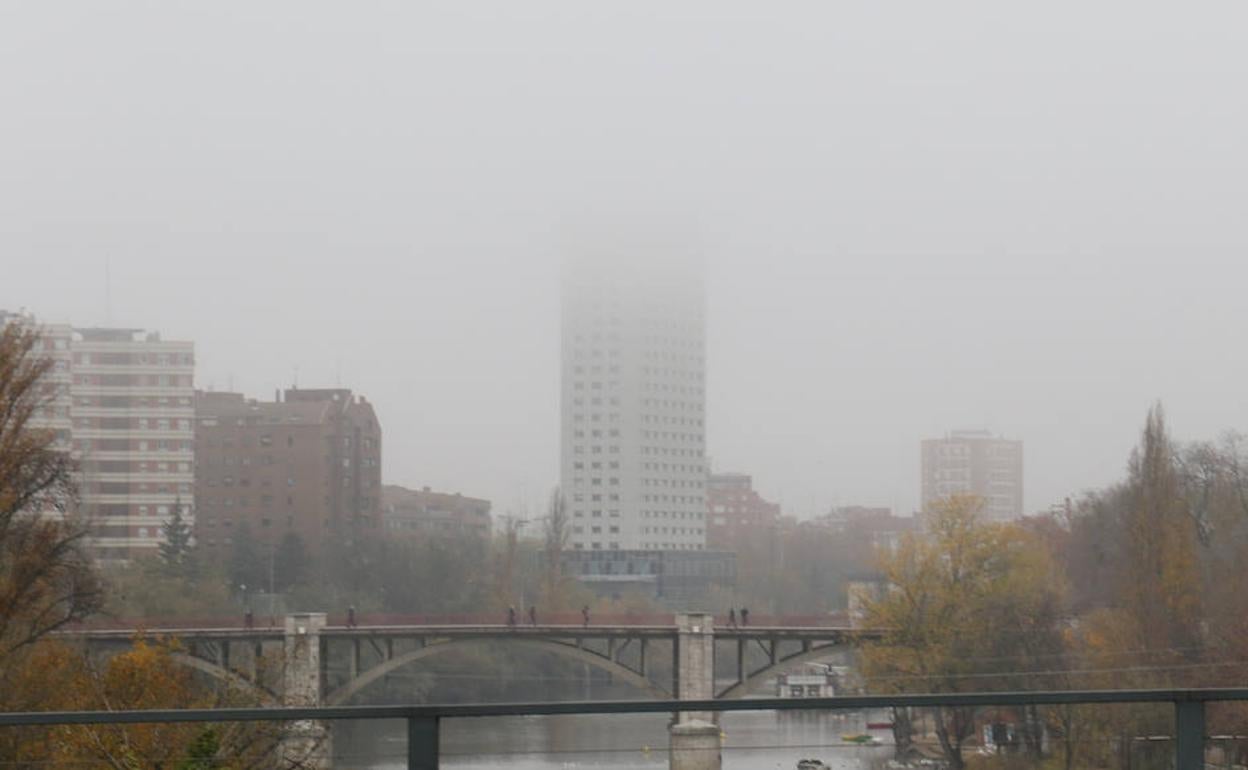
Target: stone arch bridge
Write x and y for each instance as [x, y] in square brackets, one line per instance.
[306, 643]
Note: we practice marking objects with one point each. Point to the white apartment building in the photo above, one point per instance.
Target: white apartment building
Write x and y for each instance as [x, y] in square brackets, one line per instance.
[134, 431]
[633, 459]
[977, 463]
[123, 406]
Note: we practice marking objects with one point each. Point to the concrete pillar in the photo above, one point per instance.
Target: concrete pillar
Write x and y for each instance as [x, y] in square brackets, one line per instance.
[306, 743]
[695, 746]
[695, 738]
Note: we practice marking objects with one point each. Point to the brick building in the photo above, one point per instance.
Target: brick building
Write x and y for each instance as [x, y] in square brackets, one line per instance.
[872, 528]
[307, 463]
[736, 513]
[423, 511]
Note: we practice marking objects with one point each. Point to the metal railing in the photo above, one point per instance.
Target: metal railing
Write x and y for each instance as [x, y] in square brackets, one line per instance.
[423, 722]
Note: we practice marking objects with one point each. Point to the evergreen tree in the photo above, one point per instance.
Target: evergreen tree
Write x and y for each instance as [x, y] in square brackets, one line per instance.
[176, 550]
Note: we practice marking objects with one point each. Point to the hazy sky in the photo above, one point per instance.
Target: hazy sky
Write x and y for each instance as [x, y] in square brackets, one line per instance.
[916, 216]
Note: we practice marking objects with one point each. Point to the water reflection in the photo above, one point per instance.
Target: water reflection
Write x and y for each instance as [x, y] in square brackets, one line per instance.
[616, 742]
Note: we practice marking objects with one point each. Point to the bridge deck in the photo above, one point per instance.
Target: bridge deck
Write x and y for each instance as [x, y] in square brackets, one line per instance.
[490, 631]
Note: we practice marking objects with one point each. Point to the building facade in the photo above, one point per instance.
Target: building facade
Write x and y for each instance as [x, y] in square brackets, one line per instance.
[133, 418]
[633, 465]
[975, 463]
[308, 463]
[123, 407]
[874, 529]
[425, 512]
[670, 576]
[736, 513]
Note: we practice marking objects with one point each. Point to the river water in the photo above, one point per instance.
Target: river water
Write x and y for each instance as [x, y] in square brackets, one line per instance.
[752, 740]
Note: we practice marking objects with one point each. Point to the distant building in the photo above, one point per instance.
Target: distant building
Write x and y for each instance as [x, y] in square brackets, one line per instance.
[308, 463]
[670, 576]
[873, 528]
[123, 407]
[976, 463]
[633, 463]
[736, 513]
[406, 511]
[810, 680]
[133, 415]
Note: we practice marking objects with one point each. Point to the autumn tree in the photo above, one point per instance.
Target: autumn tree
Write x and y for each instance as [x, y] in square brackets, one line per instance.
[46, 581]
[1160, 579]
[62, 677]
[969, 606]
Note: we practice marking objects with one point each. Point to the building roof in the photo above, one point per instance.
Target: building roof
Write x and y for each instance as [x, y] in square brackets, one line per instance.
[231, 406]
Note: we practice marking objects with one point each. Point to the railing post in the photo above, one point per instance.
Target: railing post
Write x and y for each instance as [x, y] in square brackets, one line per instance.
[1189, 735]
[422, 743]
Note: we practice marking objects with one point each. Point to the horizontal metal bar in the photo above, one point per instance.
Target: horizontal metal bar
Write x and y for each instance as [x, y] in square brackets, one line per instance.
[623, 707]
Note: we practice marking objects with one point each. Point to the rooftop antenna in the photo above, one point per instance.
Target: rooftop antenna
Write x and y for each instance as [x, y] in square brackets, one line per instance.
[108, 291]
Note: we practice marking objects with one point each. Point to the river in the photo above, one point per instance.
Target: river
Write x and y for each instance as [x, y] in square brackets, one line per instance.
[616, 742]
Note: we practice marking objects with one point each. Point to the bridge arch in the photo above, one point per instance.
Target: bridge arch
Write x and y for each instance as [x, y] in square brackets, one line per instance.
[742, 689]
[232, 678]
[568, 651]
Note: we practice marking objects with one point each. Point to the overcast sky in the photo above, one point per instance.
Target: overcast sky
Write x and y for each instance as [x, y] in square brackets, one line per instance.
[916, 216]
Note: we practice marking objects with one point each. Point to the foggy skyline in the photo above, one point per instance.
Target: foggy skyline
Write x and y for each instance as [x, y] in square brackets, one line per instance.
[1029, 220]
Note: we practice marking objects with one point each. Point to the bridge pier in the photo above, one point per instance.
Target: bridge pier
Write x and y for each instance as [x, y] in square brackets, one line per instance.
[695, 738]
[305, 744]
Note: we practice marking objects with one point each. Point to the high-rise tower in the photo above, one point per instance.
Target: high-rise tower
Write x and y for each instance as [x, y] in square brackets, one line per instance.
[975, 463]
[633, 464]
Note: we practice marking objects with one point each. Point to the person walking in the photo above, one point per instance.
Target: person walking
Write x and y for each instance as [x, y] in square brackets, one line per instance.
[732, 617]
[511, 616]
[532, 615]
[745, 616]
[585, 616]
[351, 616]
[249, 620]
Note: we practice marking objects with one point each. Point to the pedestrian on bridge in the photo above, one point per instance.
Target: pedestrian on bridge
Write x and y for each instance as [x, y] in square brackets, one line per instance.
[745, 616]
[732, 617]
[532, 615]
[585, 616]
[351, 616]
[249, 620]
[511, 616]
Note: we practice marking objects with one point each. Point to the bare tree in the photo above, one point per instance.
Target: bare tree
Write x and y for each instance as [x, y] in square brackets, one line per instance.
[46, 581]
[555, 529]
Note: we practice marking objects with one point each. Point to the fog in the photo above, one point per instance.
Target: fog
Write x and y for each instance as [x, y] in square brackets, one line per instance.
[915, 217]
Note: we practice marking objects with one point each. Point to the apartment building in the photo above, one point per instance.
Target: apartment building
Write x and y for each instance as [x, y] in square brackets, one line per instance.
[976, 463]
[123, 407]
[133, 429]
[423, 511]
[737, 513]
[308, 463]
[633, 464]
